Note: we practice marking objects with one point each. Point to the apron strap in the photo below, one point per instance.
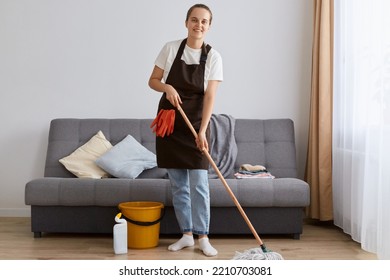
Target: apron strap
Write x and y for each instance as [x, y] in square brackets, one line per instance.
[205, 52]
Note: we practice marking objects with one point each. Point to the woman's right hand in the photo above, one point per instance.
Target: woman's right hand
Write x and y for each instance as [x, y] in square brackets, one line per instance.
[172, 95]
[156, 84]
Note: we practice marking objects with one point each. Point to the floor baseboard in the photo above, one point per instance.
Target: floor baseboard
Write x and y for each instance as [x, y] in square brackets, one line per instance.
[15, 212]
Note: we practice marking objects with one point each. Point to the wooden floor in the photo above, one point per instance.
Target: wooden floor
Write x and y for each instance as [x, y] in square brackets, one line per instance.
[319, 241]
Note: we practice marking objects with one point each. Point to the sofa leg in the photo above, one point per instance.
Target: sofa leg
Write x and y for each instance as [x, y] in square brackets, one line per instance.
[296, 236]
[37, 234]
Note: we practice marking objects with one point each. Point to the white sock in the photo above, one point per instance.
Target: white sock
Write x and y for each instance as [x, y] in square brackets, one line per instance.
[185, 241]
[206, 247]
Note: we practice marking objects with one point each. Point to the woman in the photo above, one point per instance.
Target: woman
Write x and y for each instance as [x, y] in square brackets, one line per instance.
[188, 72]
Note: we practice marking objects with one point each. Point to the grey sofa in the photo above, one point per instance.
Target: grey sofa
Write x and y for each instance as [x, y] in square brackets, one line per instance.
[60, 202]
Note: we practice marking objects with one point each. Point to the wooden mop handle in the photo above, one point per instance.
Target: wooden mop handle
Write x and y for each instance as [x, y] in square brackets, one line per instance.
[228, 189]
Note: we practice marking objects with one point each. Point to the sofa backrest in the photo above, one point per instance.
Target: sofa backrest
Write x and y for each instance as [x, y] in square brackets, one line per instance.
[270, 143]
[267, 142]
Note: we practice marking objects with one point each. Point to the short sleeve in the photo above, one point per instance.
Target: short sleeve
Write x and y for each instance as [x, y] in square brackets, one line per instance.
[162, 57]
[216, 67]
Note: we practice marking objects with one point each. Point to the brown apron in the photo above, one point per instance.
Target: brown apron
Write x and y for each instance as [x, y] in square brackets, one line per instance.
[179, 149]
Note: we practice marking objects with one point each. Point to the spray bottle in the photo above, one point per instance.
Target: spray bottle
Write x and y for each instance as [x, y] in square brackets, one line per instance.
[120, 235]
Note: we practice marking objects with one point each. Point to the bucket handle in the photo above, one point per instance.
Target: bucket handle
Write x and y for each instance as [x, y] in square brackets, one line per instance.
[139, 223]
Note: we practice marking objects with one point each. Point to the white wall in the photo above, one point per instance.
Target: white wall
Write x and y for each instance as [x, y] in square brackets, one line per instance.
[93, 58]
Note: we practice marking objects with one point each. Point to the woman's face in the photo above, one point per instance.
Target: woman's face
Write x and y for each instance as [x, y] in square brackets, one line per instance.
[198, 23]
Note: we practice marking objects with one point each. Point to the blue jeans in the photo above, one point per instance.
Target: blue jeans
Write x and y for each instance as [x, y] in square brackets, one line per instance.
[191, 199]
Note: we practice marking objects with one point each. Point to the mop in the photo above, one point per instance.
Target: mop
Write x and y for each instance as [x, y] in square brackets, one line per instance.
[163, 126]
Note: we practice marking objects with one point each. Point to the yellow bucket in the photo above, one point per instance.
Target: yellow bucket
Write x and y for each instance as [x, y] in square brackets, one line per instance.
[143, 223]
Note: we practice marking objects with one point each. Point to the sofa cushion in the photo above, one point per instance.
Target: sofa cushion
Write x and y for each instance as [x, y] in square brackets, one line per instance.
[82, 161]
[127, 159]
[154, 173]
[270, 143]
[283, 192]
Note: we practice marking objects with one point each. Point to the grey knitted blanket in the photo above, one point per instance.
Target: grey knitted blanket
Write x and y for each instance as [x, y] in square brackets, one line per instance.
[223, 146]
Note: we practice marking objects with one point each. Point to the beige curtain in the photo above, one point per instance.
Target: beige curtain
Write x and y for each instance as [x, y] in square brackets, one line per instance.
[318, 171]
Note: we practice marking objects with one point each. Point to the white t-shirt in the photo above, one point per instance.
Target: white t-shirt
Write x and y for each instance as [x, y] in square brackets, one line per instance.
[213, 69]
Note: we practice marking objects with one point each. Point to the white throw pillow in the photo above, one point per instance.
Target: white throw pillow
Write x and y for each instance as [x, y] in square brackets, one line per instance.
[127, 159]
[82, 161]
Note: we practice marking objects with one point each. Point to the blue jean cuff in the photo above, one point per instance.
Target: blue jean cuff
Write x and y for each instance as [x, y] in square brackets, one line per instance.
[200, 232]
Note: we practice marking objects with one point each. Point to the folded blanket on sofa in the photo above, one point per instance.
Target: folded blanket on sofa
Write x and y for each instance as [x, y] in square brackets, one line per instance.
[223, 146]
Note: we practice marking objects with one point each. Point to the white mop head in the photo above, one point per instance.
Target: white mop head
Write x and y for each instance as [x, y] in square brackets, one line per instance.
[257, 254]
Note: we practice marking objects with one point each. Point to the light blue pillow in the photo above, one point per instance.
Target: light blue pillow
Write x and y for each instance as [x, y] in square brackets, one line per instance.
[127, 159]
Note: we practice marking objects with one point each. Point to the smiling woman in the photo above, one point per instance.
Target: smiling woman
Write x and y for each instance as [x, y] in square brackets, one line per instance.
[198, 21]
[92, 59]
[188, 72]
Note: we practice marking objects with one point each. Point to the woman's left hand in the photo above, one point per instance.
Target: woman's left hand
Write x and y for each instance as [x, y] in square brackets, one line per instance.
[201, 141]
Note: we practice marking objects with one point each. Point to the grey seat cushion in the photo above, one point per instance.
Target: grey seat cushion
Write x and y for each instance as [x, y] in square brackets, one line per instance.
[110, 192]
